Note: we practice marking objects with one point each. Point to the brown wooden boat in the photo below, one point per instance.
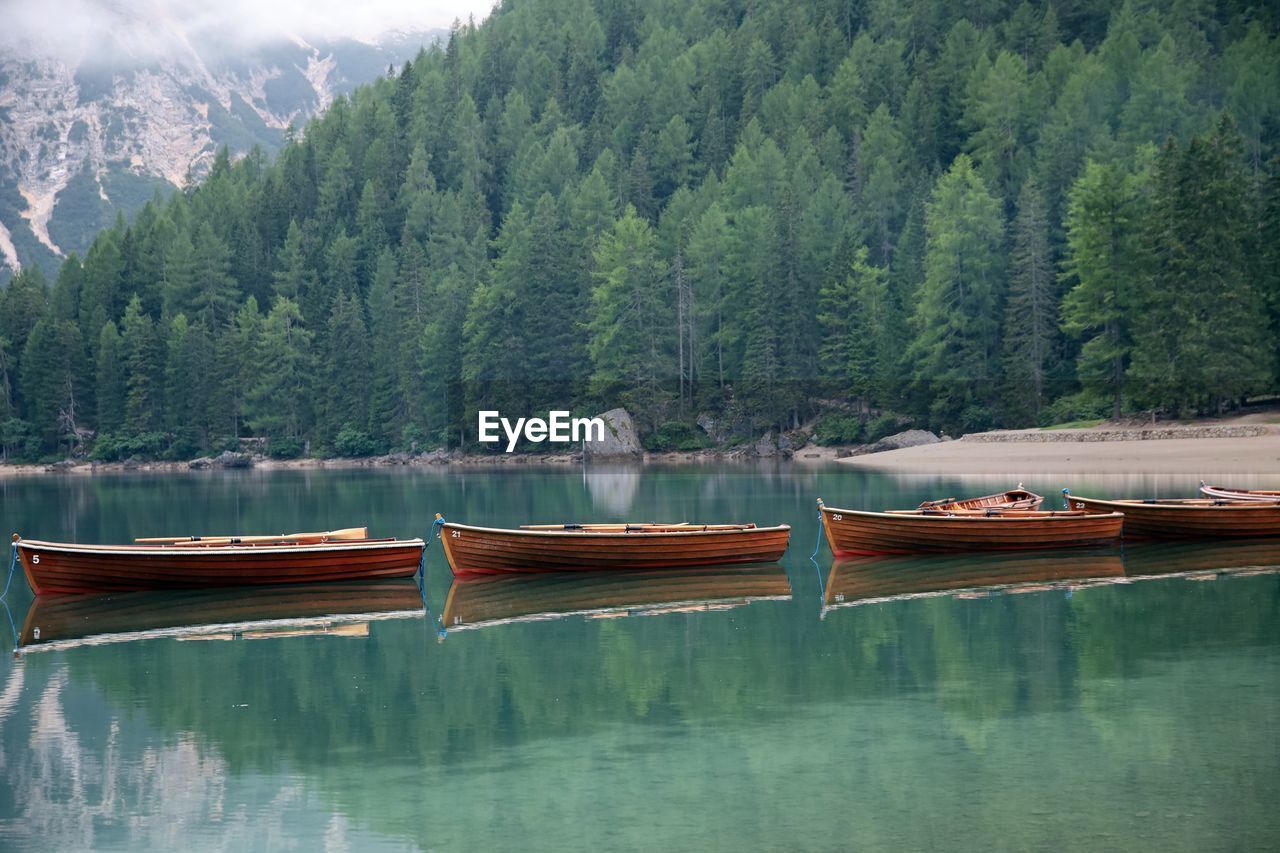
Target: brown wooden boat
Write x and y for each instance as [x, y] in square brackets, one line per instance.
[504, 599]
[1223, 493]
[609, 547]
[191, 562]
[64, 621]
[1018, 498]
[852, 532]
[1195, 518]
[870, 580]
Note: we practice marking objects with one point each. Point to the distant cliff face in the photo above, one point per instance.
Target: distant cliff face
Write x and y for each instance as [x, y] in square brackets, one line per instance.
[81, 142]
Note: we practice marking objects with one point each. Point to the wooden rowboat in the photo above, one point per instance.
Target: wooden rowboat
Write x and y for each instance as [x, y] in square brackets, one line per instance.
[1018, 498]
[66, 621]
[1267, 496]
[608, 547]
[930, 531]
[875, 580]
[1195, 518]
[192, 562]
[506, 599]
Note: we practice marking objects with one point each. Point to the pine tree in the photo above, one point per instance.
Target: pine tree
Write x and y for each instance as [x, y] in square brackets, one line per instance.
[632, 343]
[956, 348]
[1030, 317]
[294, 278]
[386, 408]
[861, 331]
[188, 368]
[235, 370]
[1199, 284]
[346, 368]
[707, 274]
[143, 365]
[178, 288]
[111, 379]
[1099, 269]
[881, 203]
[277, 404]
[53, 376]
[22, 304]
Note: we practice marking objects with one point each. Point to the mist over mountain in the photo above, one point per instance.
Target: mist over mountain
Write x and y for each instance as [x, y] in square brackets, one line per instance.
[133, 97]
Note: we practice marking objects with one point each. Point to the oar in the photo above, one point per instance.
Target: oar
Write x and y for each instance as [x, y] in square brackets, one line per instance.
[348, 533]
[616, 526]
[679, 527]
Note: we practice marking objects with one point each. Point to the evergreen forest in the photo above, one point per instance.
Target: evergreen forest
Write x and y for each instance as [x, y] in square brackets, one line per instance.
[958, 215]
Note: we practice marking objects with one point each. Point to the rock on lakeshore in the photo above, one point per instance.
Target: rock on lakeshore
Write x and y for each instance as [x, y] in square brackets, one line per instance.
[910, 438]
[620, 439]
[230, 459]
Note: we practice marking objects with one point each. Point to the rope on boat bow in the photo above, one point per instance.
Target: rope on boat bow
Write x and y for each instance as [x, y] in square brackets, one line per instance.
[813, 558]
[422, 571]
[434, 534]
[13, 565]
[817, 546]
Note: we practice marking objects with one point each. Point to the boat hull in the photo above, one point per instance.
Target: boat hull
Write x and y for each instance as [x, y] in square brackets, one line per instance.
[854, 533]
[484, 550]
[53, 567]
[1265, 496]
[1188, 521]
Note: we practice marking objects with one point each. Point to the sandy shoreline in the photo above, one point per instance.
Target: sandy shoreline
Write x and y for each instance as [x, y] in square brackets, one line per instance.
[1257, 456]
[999, 455]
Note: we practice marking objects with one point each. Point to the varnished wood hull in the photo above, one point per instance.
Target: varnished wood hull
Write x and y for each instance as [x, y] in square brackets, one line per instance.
[862, 580]
[53, 567]
[852, 532]
[125, 616]
[1265, 496]
[1188, 521]
[501, 599]
[485, 550]
[1012, 499]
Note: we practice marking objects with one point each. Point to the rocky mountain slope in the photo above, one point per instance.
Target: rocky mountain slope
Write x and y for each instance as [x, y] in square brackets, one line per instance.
[83, 140]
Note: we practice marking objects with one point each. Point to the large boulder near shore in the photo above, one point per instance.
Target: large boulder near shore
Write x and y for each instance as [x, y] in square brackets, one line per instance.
[230, 459]
[620, 439]
[200, 463]
[909, 438]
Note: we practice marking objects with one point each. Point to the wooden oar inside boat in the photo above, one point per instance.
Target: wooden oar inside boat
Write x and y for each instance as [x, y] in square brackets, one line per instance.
[348, 534]
[677, 527]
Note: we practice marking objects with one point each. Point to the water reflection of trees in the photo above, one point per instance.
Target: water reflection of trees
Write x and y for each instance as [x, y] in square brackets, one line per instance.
[336, 711]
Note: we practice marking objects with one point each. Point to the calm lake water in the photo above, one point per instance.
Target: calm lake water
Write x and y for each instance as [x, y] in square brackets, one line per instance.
[798, 707]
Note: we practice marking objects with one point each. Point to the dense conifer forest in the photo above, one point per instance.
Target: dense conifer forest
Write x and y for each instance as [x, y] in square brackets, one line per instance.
[970, 215]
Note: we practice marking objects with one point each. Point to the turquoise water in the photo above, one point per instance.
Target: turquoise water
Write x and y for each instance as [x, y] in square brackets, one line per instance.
[784, 708]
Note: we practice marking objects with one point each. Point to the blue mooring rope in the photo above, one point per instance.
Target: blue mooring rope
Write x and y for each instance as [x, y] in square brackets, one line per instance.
[434, 534]
[817, 546]
[422, 571]
[13, 565]
[813, 558]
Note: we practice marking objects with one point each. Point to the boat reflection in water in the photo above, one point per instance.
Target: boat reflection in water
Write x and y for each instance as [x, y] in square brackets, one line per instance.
[503, 599]
[224, 613]
[869, 580]
[1236, 556]
[872, 580]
